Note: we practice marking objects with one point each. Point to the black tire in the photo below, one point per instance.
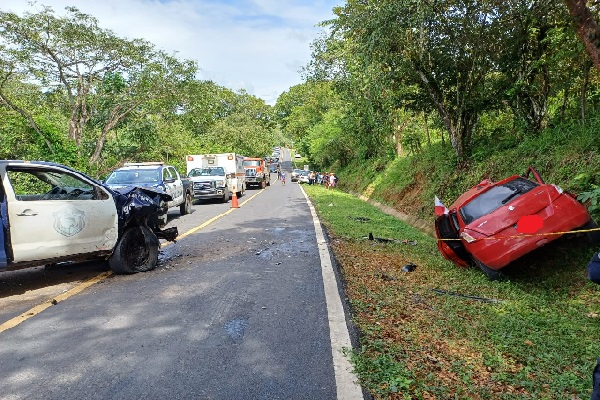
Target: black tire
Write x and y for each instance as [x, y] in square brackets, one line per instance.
[225, 198]
[592, 237]
[136, 251]
[186, 206]
[492, 274]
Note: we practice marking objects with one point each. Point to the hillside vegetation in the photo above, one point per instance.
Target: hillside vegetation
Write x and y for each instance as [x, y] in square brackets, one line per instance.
[568, 155]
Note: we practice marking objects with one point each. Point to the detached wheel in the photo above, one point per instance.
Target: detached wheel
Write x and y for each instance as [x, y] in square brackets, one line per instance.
[136, 251]
[186, 206]
[492, 274]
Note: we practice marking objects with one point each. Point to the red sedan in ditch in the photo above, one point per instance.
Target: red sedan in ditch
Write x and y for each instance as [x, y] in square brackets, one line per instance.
[495, 223]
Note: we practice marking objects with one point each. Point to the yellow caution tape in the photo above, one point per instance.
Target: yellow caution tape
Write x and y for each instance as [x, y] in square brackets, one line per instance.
[526, 235]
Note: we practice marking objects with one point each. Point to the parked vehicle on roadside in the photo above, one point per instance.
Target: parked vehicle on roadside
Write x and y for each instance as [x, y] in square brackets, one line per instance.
[226, 175]
[155, 175]
[52, 213]
[256, 172]
[295, 174]
[494, 223]
[303, 177]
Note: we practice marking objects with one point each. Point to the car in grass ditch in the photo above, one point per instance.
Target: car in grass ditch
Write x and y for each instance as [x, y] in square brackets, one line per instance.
[495, 223]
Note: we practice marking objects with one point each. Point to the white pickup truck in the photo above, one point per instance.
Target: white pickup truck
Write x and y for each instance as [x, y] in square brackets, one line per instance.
[51, 213]
[216, 176]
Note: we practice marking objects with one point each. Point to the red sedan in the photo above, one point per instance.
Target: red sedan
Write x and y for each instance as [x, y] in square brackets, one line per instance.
[495, 223]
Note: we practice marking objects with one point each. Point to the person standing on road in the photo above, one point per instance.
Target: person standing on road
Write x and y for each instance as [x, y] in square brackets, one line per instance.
[282, 177]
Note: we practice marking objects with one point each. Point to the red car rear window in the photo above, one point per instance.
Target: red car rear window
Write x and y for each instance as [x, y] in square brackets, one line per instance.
[495, 198]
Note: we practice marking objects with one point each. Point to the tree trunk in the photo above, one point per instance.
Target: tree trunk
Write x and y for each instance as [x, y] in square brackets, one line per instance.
[584, 88]
[113, 120]
[587, 28]
[427, 130]
[29, 119]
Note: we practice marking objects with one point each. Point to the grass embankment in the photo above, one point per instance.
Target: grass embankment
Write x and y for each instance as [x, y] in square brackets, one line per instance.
[566, 155]
[532, 336]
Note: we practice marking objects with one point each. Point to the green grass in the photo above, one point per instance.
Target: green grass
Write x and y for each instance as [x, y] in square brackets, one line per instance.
[539, 341]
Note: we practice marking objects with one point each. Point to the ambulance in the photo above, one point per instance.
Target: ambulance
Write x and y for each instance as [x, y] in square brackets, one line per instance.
[216, 176]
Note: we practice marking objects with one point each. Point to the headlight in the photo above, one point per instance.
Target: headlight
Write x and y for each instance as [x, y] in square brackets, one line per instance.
[221, 183]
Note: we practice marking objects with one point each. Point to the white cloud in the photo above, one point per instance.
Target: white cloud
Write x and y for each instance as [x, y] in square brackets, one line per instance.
[256, 45]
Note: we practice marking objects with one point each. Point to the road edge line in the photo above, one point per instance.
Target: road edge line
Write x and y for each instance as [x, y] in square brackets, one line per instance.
[345, 379]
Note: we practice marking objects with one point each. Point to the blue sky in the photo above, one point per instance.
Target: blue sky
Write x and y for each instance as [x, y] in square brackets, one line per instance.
[256, 45]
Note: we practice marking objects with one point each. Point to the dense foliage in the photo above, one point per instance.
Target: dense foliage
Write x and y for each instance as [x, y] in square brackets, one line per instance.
[466, 82]
[75, 93]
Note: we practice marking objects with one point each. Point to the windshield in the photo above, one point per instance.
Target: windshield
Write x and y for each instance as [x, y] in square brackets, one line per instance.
[132, 176]
[252, 163]
[209, 171]
[495, 198]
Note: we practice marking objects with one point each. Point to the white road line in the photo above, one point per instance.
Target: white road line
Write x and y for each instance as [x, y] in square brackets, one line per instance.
[345, 380]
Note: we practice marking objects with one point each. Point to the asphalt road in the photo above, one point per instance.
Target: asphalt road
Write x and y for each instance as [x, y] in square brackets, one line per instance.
[236, 309]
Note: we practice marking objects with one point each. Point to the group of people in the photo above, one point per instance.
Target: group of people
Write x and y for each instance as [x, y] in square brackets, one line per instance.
[327, 179]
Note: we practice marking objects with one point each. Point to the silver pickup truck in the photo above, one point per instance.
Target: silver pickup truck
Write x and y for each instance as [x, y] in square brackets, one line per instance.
[51, 213]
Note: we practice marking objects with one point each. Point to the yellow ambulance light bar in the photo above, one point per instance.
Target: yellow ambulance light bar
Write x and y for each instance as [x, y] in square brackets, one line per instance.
[134, 164]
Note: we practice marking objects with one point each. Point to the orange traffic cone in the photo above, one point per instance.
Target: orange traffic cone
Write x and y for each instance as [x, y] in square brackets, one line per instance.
[234, 202]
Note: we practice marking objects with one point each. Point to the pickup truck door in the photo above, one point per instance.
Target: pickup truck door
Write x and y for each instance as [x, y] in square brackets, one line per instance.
[53, 212]
[174, 186]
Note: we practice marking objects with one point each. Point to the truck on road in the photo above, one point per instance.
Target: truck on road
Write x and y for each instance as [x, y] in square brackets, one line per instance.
[216, 176]
[257, 172]
[51, 213]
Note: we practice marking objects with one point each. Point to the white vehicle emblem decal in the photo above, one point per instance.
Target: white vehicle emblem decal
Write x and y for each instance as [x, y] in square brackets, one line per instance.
[68, 220]
[511, 208]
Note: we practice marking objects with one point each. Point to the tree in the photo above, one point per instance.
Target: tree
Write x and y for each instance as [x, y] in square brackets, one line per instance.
[303, 106]
[586, 27]
[444, 50]
[101, 77]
